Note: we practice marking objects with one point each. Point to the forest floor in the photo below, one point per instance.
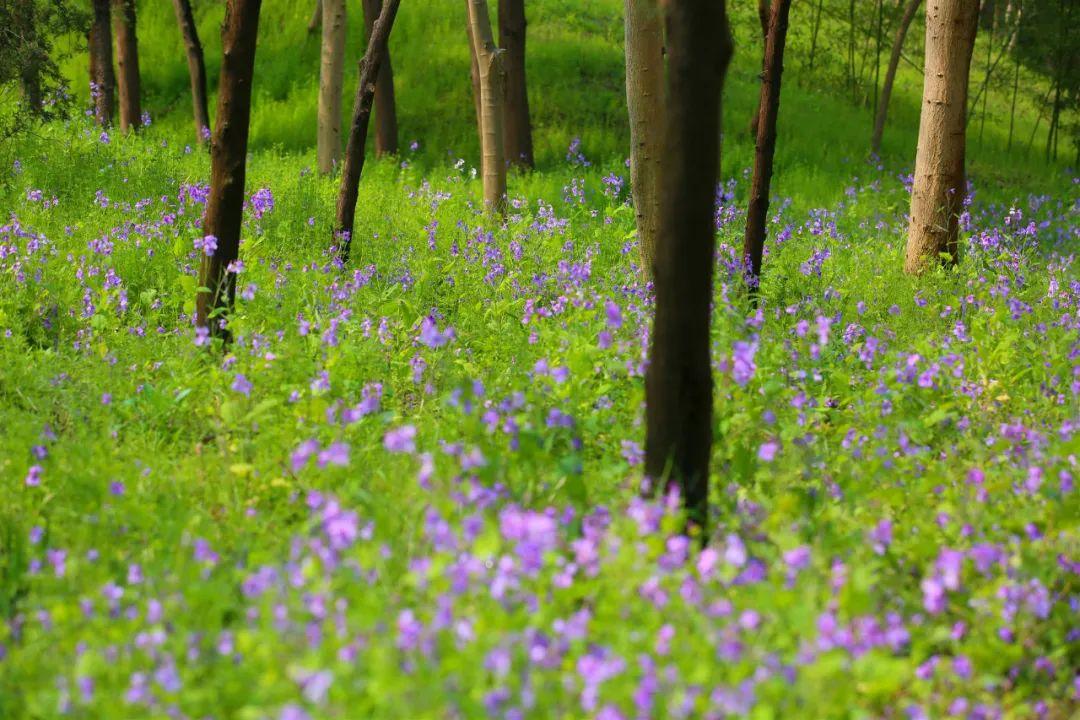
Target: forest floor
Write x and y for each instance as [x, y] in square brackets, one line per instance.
[409, 488]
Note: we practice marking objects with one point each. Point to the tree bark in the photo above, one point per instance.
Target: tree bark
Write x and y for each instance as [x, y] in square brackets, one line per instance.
[196, 68]
[890, 74]
[354, 151]
[937, 195]
[517, 128]
[763, 23]
[814, 34]
[386, 127]
[474, 75]
[331, 74]
[645, 106]
[102, 78]
[678, 386]
[127, 62]
[492, 106]
[316, 18]
[765, 145]
[228, 166]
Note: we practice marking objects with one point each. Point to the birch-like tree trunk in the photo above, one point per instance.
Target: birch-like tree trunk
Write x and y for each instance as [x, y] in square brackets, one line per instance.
[890, 74]
[492, 106]
[331, 75]
[386, 125]
[127, 62]
[102, 77]
[228, 167]
[678, 383]
[937, 194]
[645, 106]
[185, 19]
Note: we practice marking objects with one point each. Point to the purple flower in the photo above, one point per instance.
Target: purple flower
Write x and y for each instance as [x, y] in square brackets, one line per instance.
[882, 536]
[33, 476]
[335, 454]
[614, 314]
[734, 551]
[208, 244]
[241, 385]
[742, 362]
[303, 453]
[401, 440]
[431, 336]
[767, 451]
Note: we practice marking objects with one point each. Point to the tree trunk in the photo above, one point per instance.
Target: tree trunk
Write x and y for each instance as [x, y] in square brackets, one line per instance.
[102, 79]
[354, 151]
[228, 166]
[331, 74]
[492, 106]
[877, 51]
[127, 61]
[763, 23]
[316, 18]
[937, 195]
[386, 129]
[517, 128]
[196, 68]
[814, 34]
[25, 24]
[474, 75]
[890, 74]
[645, 105]
[678, 386]
[765, 145]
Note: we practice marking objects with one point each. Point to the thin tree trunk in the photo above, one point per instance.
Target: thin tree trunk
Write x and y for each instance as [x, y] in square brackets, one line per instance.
[814, 34]
[678, 386]
[354, 151]
[851, 49]
[492, 106]
[386, 127]
[937, 195]
[331, 75]
[763, 23]
[127, 61]
[196, 68]
[1055, 115]
[517, 127]
[645, 106]
[1015, 90]
[474, 75]
[890, 74]
[316, 18]
[765, 146]
[877, 51]
[102, 78]
[228, 166]
[989, 70]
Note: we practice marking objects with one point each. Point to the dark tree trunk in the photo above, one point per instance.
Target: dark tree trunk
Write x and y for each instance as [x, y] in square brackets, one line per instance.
[25, 23]
[196, 67]
[517, 125]
[316, 18]
[102, 78]
[228, 165]
[127, 61]
[890, 74]
[354, 151]
[765, 145]
[763, 23]
[386, 127]
[814, 33]
[877, 51]
[678, 388]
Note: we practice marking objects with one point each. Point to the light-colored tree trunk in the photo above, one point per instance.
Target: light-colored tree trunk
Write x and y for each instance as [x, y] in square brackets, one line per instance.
[492, 106]
[645, 105]
[937, 195]
[127, 62]
[890, 74]
[331, 75]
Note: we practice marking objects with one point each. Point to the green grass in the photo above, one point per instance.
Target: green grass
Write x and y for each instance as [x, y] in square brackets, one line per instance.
[161, 553]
